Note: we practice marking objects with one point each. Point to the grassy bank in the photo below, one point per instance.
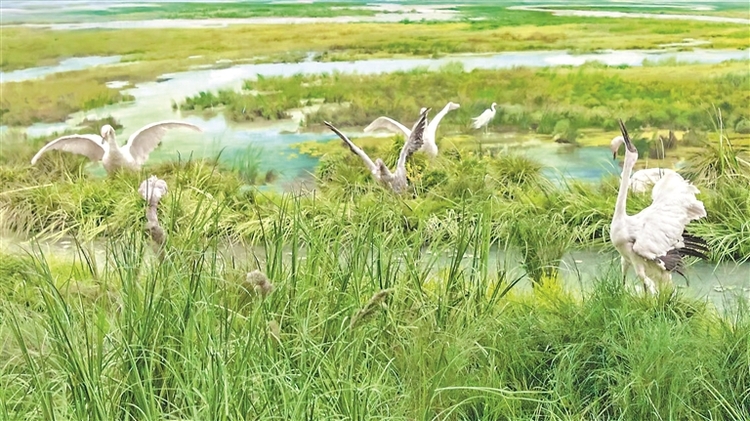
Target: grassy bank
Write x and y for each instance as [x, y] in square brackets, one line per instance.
[358, 326]
[150, 52]
[556, 100]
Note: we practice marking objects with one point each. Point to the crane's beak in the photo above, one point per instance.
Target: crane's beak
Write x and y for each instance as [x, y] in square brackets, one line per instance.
[628, 144]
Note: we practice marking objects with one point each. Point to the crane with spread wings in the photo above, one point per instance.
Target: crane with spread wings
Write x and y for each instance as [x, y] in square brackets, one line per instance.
[654, 241]
[104, 148]
[395, 180]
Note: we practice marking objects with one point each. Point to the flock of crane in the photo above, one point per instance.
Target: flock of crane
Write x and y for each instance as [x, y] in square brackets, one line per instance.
[653, 242]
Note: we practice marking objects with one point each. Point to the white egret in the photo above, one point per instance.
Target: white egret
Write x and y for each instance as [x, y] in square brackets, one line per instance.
[430, 133]
[654, 240]
[484, 118]
[104, 148]
[641, 179]
[396, 180]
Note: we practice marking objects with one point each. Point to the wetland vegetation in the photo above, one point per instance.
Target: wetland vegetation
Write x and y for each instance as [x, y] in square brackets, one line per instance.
[151, 52]
[367, 318]
[554, 100]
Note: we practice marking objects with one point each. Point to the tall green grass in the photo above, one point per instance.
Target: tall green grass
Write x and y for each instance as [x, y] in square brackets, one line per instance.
[182, 338]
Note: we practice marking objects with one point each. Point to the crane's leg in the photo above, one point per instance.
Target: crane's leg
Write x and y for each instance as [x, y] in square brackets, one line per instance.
[648, 283]
[625, 266]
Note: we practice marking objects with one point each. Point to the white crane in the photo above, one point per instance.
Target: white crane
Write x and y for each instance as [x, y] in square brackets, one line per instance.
[152, 190]
[396, 180]
[430, 133]
[641, 179]
[104, 148]
[654, 240]
[484, 118]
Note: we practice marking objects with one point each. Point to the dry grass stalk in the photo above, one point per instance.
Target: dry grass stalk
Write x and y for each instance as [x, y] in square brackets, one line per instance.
[376, 302]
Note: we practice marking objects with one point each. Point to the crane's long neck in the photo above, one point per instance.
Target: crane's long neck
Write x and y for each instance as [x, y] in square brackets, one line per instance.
[622, 195]
[432, 127]
[492, 107]
[112, 143]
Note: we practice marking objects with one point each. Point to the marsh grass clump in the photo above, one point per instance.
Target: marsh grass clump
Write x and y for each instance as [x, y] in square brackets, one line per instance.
[717, 162]
[543, 239]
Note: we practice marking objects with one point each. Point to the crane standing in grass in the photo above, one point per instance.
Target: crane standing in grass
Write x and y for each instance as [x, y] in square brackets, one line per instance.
[152, 190]
[430, 134]
[654, 240]
[104, 148]
[484, 118]
[641, 179]
[396, 180]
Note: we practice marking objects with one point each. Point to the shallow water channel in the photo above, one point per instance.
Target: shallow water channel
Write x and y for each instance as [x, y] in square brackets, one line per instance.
[720, 284]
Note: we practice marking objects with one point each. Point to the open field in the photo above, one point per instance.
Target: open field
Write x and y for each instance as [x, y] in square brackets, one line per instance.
[150, 52]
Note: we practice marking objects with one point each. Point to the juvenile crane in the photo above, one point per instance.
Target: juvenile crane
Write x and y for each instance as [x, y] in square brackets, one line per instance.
[641, 179]
[104, 148]
[430, 133]
[654, 240]
[484, 118]
[396, 180]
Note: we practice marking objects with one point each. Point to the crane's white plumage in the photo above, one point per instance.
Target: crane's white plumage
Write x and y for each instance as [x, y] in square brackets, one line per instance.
[484, 118]
[152, 190]
[395, 180]
[104, 147]
[88, 145]
[641, 180]
[430, 134]
[654, 240]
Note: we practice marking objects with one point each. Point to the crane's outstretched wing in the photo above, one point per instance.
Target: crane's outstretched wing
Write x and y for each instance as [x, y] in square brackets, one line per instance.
[354, 148]
[88, 145]
[389, 124]
[642, 179]
[144, 141]
[660, 228]
[415, 140]
[662, 189]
